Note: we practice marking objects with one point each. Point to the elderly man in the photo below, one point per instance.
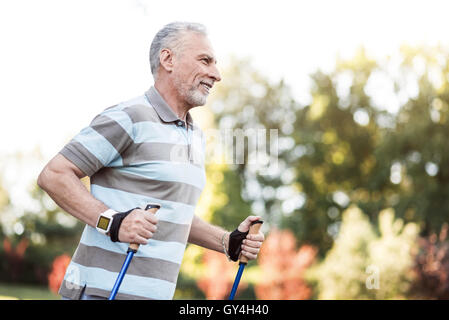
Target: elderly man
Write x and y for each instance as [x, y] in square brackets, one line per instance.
[141, 151]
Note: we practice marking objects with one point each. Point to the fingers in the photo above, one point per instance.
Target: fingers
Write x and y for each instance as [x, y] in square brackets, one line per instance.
[144, 221]
[246, 224]
[251, 248]
[147, 223]
[252, 244]
[250, 253]
[138, 239]
[129, 237]
[145, 233]
[138, 227]
[256, 237]
[149, 216]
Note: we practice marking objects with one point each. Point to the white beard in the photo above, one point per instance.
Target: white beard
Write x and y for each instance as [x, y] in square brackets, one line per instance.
[192, 95]
[196, 98]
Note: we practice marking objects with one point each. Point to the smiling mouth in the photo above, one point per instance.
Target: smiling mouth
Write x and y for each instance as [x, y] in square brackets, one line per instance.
[206, 85]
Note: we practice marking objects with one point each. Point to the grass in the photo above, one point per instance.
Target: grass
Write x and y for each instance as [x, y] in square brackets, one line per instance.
[26, 292]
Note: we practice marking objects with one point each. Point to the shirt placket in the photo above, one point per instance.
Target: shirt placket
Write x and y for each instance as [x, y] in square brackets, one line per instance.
[183, 127]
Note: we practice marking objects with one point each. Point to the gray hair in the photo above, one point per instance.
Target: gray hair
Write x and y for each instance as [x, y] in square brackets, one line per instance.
[169, 37]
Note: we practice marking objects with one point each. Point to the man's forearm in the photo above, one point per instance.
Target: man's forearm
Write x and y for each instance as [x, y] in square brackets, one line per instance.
[71, 195]
[207, 235]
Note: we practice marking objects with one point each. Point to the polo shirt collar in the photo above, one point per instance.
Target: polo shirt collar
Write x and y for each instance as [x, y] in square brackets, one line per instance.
[163, 109]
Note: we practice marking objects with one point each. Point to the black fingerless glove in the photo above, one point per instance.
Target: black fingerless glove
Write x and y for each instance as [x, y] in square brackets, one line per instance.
[235, 243]
[117, 220]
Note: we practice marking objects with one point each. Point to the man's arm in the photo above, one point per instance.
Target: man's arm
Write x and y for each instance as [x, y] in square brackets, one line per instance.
[209, 236]
[60, 178]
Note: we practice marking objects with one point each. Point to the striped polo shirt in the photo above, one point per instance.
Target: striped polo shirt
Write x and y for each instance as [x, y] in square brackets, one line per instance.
[137, 152]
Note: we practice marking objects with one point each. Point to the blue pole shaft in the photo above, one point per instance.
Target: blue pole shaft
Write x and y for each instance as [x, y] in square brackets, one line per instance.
[237, 280]
[132, 249]
[121, 275]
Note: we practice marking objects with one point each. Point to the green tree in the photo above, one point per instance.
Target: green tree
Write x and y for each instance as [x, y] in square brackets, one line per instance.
[373, 135]
[336, 138]
[247, 100]
[364, 264]
[417, 145]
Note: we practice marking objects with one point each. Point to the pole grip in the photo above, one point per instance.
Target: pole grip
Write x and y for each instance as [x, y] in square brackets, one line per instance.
[253, 229]
[151, 208]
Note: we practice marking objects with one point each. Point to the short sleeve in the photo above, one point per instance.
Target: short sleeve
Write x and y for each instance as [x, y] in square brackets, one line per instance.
[101, 143]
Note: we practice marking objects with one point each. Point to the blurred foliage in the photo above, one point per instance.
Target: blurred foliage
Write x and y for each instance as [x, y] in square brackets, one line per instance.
[14, 256]
[373, 135]
[365, 265]
[417, 143]
[283, 266]
[220, 203]
[246, 100]
[432, 267]
[58, 269]
[191, 270]
[377, 143]
[218, 277]
[47, 232]
[234, 209]
[200, 266]
[4, 197]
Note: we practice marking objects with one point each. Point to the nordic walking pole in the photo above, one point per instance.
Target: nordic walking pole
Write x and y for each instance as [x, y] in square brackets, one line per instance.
[132, 249]
[255, 226]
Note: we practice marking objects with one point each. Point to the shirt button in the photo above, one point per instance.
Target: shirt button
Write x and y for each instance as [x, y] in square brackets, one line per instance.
[180, 123]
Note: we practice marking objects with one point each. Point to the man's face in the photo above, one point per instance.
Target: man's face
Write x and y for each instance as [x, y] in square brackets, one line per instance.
[195, 71]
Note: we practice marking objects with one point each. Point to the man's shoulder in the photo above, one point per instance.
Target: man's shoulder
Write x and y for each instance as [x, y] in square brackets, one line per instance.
[137, 108]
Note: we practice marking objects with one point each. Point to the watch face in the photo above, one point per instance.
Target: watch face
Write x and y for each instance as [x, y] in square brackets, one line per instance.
[103, 223]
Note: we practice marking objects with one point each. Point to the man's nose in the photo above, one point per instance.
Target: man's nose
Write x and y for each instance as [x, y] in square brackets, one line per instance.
[214, 73]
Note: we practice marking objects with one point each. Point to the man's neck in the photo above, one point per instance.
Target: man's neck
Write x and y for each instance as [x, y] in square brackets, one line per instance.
[169, 94]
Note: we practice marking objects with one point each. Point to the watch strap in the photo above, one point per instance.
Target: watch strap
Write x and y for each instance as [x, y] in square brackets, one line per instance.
[116, 223]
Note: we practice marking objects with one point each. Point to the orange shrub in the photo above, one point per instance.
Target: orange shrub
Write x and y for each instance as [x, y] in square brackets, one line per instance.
[218, 278]
[58, 269]
[283, 267]
[15, 256]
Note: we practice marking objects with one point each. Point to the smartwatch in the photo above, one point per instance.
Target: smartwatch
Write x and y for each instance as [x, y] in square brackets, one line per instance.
[104, 221]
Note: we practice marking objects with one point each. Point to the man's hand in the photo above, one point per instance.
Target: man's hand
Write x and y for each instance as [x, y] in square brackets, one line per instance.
[251, 245]
[138, 227]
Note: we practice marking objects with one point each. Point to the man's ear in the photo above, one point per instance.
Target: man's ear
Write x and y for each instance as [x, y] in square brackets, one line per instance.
[166, 59]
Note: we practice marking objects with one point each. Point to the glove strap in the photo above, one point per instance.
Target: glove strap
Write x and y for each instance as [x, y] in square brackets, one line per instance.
[117, 220]
[235, 243]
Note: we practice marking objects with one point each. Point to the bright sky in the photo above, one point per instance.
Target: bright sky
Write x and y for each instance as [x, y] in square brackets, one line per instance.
[62, 62]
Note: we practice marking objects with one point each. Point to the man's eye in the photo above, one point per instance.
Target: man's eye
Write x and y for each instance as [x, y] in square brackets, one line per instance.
[205, 60]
